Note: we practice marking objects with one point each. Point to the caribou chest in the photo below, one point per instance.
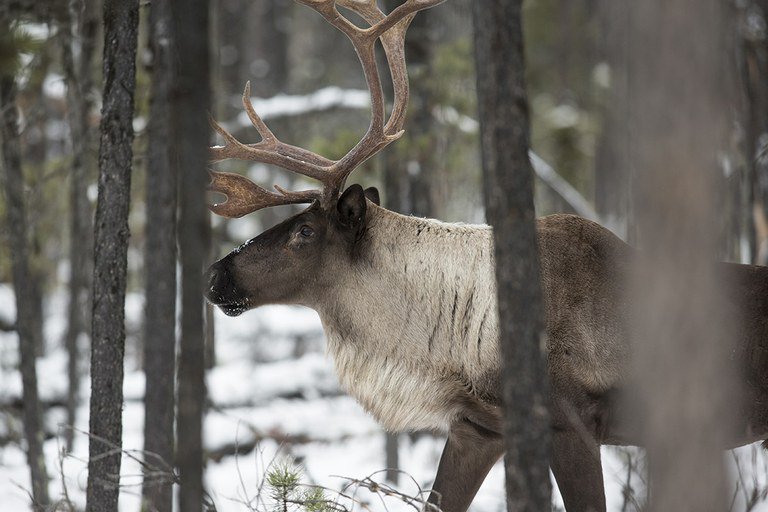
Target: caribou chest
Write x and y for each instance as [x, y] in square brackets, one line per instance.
[412, 327]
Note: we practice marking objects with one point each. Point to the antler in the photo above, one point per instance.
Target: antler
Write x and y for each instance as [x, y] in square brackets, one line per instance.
[245, 196]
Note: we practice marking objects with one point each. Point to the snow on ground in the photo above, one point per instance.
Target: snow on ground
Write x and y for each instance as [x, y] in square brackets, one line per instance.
[275, 398]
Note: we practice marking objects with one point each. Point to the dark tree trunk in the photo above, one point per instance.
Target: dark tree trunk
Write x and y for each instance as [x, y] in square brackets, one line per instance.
[682, 332]
[110, 254]
[160, 272]
[190, 104]
[508, 186]
[78, 48]
[29, 323]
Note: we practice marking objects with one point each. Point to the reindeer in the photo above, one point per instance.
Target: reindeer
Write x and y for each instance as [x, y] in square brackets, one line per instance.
[409, 305]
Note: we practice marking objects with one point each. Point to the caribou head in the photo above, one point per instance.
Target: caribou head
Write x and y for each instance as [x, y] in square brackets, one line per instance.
[289, 263]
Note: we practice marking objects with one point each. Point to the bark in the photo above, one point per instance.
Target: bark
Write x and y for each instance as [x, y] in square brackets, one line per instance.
[110, 254]
[190, 104]
[680, 104]
[78, 47]
[508, 188]
[29, 322]
[160, 271]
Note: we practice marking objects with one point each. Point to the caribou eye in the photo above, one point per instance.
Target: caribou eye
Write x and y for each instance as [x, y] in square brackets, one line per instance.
[306, 231]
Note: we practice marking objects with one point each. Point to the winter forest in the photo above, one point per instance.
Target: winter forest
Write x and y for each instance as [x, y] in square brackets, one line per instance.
[612, 355]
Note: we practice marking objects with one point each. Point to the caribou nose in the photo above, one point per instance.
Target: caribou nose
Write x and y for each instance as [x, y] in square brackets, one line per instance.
[221, 287]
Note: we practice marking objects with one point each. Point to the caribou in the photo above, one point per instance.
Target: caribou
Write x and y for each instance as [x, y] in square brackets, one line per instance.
[409, 304]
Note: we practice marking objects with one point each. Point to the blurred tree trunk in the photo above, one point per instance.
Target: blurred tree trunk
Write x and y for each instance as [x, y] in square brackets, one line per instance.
[78, 47]
[160, 271]
[508, 187]
[29, 321]
[270, 58]
[612, 171]
[267, 63]
[110, 254]
[190, 102]
[681, 330]
[754, 50]
[34, 154]
[410, 165]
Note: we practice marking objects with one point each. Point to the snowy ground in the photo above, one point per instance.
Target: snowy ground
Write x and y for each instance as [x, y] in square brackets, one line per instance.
[272, 383]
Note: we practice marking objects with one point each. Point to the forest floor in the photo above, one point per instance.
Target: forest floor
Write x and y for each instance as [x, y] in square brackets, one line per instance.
[273, 397]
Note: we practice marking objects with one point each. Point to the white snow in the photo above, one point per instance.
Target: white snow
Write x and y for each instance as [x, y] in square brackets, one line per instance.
[271, 383]
[54, 86]
[287, 105]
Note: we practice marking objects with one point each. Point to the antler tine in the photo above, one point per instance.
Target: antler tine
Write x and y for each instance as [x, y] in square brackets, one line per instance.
[391, 29]
[245, 196]
[269, 150]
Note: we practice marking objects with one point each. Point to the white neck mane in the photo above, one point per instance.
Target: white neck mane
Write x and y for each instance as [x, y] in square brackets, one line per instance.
[412, 326]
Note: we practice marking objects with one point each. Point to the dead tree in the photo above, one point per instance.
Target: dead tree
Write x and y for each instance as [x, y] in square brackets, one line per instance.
[110, 254]
[508, 188]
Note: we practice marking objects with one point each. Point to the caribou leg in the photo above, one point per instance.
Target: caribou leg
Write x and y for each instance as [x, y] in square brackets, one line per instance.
[578, 471]
[469, 453]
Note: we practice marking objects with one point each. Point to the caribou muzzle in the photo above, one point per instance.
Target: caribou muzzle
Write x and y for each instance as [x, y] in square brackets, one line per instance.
[223, 292]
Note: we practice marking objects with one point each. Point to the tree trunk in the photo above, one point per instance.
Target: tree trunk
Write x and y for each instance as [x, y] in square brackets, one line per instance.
[29, 322]
[391, 457]
[755, 79]
[78, 47]
[190, 104]
[410, 166]
[508, 187]
[110, 254]
[160, 272]
[612, 172]
[681, 330]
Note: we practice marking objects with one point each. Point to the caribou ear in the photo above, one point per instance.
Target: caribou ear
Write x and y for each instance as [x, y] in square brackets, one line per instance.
[372, 193]
[351, 207]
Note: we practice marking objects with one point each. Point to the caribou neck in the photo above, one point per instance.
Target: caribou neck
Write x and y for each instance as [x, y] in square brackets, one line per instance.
[416, 336]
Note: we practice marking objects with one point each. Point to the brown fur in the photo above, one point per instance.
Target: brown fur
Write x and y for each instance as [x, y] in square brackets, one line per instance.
[409, 308]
